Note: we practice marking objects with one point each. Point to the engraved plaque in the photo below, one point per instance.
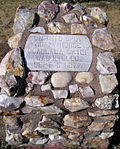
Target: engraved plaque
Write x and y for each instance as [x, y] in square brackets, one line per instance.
[58, 52]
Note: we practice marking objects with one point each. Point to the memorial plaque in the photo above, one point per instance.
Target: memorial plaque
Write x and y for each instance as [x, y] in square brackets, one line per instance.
[58, 52]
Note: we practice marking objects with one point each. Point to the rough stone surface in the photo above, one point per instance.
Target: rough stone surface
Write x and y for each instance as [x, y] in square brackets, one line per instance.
[38, 30]
[38, 141]
[108, 83]
[84, 77]
[78, 29]
[105, 135]
[57, 27]
[86, 91]
[38, 77]
[61, 79]
[58, 94]
[47, 10]
[88, 21]
[13, 41]
[37, 101]
[99, 14]
[73, 88]
[46, 87]
[75, 104]
[107, 102]
[65, 7]
[105, 63]
[102, 39]
[23, 19]
[79, 8]
[70, 18]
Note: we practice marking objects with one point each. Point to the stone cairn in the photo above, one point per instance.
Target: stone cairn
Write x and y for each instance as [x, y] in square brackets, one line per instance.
[59, 108]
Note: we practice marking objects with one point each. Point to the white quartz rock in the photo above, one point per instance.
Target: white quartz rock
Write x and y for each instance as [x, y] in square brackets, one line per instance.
[59, 94]
[38, 30]
[46, 87]
[73, 88]
[105, 135]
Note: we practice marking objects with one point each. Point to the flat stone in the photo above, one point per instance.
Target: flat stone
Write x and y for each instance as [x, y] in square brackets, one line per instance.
[65, 7]
[23, 19]
[38, 141]
[13, 41]
[105, 63]
[47, 10]
[75, 104]
[78, 29]
[73, 130]
[46, 87]
[10, 103]
[77, 120]
[44, 58]
[59, 94]
[50, 110]
[80, 8]
[102, 39]
[57, 27]
[99, 14]
[86, 91]
[88, 21]
[38, 77]
[28, 109]
[107, 102]
[84, 77]
[61, 79]
[38, 30]
[70, 18]
[37, 101]
[106, 135]
[108, 83]
[73, 88]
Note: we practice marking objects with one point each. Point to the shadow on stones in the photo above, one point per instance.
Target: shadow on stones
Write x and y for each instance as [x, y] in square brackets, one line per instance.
[115, 139]
[36, 20]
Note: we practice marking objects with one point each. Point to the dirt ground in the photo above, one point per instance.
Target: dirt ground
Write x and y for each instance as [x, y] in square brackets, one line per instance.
[7, 12]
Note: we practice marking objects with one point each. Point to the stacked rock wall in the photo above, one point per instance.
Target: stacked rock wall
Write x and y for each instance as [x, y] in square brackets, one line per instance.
[60, 108]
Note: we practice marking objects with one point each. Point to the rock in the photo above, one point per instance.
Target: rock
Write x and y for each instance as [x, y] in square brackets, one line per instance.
[29, 87]
[102, 39]
[73, 88]
[10, 120]
[73, 130]
[65, 7]
[59, 94]
[38, 141]
[108, 83]
[38, 77]
[13, 41]
[86, 91]
[99, 14]
[80, 8]
[23, 19]
[28, 109]
[97, 112]
[107, 102]
[37, 101]
[75, 104]
[61, 79]
[88, 21]
[10, 103]
[106, 135]
[78, 29]
[57, 27]
[52, 109]
[84, 77]
[38, 30]
[70, 18]
[91, 134]
[46, 87]
[47, 10]
[77, 120]
[105, 63]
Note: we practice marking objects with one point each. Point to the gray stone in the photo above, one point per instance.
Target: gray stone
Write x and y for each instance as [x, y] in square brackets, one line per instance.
[28, 109]
[73, 88]
[108, 83]
[78, 29]
[10, 103]
[88, 21]
[46, 87]
[99, 14]
[23, 19]
[38, 77]
[75, 104]
[86, 91]
[84, 77]
[29, 87]
[102, 39]
[61, 79]
[57, 27]
[65, 7]
[105, 63]
[38, 141]
[38, 30]
[37, 101]
[79, 8]
[106, 135]
[57, 52]
[59, 94]
[107, 102]
[70, 18]
[47, 10]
